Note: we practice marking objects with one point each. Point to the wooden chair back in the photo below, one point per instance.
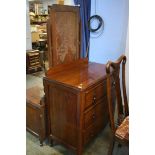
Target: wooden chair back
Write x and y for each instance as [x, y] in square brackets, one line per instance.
[113, 74]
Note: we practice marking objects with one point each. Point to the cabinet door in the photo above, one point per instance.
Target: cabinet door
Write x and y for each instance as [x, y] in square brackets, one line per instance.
[63, 34]
[63, 114]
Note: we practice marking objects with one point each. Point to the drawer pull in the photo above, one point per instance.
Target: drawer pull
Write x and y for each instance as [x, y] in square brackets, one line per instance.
[94, 100]
[93, 116]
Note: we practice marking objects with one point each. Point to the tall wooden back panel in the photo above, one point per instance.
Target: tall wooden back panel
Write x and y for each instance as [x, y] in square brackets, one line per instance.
[63, 30]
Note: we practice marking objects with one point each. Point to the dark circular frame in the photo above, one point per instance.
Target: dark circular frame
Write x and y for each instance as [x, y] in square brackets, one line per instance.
[99, 18]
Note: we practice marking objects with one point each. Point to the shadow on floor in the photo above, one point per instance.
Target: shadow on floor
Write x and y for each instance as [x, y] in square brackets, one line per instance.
[99, 146]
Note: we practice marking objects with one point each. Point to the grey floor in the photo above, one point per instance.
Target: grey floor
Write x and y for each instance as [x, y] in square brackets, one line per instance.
[99, 146]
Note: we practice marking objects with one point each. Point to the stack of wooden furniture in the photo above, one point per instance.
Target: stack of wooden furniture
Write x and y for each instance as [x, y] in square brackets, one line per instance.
[33, 61]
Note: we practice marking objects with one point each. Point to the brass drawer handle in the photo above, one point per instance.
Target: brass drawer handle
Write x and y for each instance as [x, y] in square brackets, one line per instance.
[94, 116]
[94, 100]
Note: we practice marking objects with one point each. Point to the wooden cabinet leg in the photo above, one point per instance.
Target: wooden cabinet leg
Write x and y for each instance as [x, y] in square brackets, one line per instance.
[70, 152]
[110, 151]
[79, 151]
[119, 145]
[51, 142]
[41, 142]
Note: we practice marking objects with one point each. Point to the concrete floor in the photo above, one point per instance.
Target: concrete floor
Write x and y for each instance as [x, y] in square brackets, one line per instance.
[99, 146]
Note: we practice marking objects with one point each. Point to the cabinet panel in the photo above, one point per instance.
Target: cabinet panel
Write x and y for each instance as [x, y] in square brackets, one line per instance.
[32, 121]
[63, 114]
[63, 34]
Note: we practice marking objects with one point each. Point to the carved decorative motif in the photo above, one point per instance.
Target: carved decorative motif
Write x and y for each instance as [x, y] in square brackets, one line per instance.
[63, 34]
[66, 36]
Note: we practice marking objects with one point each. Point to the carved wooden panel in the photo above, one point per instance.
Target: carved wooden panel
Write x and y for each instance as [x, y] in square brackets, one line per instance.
[63, 34]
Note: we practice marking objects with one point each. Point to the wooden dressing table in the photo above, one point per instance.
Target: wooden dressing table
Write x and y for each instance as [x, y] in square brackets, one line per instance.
[76, 103]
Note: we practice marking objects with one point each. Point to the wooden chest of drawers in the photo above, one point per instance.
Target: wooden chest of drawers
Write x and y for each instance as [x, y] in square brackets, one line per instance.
[76, 102]
[33, 61]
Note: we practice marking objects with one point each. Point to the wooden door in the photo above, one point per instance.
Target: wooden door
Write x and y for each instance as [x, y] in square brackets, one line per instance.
[63, 34]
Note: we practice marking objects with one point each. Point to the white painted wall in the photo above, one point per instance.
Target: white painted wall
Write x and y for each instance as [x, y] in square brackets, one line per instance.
[111, 44]
[115, 40]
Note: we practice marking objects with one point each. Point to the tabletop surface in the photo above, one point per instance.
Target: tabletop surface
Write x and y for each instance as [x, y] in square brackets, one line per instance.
[34, 94]
[79, 74]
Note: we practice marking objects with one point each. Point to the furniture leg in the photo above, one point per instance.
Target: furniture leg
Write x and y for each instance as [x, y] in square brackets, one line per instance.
[70, 152]
[79, 151]
[51, 142]
[41, 142]
[119, 145]
[111, 147]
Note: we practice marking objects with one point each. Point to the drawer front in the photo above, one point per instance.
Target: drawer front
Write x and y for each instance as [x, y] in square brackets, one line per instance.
[92, 131]
[96, 113]
[95, 120]
[94, 94]
[89, 134]
[33, 58]
[33, 54]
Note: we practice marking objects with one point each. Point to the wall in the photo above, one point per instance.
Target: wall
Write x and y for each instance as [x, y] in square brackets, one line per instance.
[111, 44]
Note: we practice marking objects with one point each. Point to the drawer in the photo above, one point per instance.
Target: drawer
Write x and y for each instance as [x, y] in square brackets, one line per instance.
[34, 63]
[32, 58]
[92, 131]
[33, 54]
[88, 134]
[94, 94]
[96, 113]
